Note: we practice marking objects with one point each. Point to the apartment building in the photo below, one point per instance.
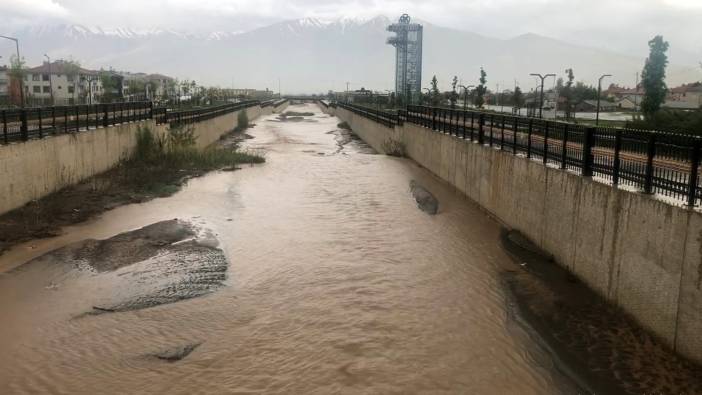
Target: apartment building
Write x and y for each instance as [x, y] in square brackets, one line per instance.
[62, 83]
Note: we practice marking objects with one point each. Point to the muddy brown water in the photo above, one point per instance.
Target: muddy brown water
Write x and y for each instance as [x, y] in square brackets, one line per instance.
[336, 283]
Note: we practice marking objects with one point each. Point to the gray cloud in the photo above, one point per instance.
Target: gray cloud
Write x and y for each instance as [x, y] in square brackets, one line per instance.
[621, 25]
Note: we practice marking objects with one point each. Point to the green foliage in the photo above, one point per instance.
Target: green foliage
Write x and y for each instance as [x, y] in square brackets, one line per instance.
[653, 76]
[394, 148]
[567, 93]
[435, 95]
[518, 97]
[480, 91]
[242, 120]
[17, 68]
[453, 96]
[689, 122]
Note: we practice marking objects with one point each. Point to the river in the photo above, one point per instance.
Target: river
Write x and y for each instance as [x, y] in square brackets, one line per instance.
[336, 283]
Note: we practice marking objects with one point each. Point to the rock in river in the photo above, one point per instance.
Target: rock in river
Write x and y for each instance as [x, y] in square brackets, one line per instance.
[425, 200]
[161, 263]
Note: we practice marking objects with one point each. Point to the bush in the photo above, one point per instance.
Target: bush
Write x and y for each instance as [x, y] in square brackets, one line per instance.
[688, 122]
[394, 148]
[344, 125]
[242, 120]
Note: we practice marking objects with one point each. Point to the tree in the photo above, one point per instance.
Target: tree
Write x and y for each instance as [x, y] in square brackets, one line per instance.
[72, 70]
[109, 86]
[567, 92]
[481, 89]
[653, 76]
[453, 96]
[435, 94]
[518, 98]
[17, 74]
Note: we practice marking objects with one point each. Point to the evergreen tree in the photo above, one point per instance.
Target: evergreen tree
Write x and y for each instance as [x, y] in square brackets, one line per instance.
[518, 98]
[453, 95]
[653, 76]
[481, 89]
[435, 94]
[567, 92]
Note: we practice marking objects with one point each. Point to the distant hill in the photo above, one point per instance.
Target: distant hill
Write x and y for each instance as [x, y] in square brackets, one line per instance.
[310, 55]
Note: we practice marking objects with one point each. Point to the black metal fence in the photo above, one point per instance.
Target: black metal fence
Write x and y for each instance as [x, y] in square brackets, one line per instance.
[653, 162]
[183, 117]
[383, 117]
[32, 123]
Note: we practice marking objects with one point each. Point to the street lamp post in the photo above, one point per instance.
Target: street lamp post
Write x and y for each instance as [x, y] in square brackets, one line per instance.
[19, 61]
[541, 100]
[599, 94]
[51, 84]
[465, 94]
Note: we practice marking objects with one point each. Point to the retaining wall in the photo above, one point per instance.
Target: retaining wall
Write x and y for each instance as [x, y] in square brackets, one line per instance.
[36, 168]
[639, 253]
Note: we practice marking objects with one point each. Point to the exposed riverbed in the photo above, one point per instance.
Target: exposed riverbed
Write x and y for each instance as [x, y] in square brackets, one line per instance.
[335, 282]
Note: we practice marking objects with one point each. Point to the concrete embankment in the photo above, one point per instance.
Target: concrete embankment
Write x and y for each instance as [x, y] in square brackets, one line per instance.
[641, 254]
[36, 168]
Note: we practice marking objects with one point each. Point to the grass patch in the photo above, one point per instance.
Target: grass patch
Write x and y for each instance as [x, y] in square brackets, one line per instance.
[157, 168]
[394, 148]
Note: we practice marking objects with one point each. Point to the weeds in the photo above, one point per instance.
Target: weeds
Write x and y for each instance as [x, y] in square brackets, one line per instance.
[394, 148]
[343, 125]
[242, 121]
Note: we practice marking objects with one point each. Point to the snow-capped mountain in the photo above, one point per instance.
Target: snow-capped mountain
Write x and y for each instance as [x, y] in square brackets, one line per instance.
[314, 55]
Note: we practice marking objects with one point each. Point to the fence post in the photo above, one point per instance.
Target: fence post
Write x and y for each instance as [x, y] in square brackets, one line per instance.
[41, 124]
[433, 118]
[24, 131]
[481, 131]
[616, 163]
[650, 153]
[694, 173]
[531, 126]
[515, 129]
[588, 158]
[502, 134]
[564, 148]
[4, 125]
[53, 119]
[151, 110]
[545, 158]
[105, 120]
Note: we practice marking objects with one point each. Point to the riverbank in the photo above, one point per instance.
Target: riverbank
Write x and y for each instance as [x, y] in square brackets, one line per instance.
[149, 174]
[596, 343]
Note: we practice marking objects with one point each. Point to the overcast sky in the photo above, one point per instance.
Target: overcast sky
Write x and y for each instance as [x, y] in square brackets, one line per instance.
[621, 25]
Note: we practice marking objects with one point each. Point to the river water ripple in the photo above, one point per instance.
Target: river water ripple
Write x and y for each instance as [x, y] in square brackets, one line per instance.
[337, 283]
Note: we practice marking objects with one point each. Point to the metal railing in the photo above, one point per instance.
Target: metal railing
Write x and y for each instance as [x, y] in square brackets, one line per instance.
[383, 117]
[183, 117]
[32, 123]
[653, 162]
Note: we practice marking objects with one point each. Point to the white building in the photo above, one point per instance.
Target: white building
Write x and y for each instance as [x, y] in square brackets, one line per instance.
[62, 83]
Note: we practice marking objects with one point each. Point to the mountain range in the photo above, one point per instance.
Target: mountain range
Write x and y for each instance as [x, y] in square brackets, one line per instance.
[311, 55]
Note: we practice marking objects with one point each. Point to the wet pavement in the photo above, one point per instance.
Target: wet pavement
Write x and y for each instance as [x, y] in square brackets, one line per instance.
[315, 272]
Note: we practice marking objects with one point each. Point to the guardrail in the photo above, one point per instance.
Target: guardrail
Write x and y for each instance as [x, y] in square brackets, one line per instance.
[183, 117]
[653, 162]
[385, 118]
[31, 123]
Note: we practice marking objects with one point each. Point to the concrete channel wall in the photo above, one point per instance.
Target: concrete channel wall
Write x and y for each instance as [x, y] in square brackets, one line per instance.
[641, 254]
[36, 168]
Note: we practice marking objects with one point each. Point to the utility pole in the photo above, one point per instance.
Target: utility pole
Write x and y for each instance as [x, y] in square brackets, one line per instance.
[51, 85]
[541, 100]
[347, 91]
[19, 62]
[599, 94]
